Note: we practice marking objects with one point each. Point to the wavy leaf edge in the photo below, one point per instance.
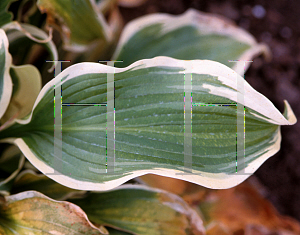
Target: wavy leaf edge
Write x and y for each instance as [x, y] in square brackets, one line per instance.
[226, 75]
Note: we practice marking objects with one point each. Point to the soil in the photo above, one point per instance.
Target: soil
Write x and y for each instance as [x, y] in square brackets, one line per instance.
[277, 24]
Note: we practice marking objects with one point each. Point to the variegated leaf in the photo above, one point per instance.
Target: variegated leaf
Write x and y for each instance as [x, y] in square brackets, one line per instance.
[182, 119]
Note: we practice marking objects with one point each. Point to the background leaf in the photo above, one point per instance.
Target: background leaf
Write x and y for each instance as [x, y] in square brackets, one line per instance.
[11, 162]
[79, 21]
[242, 209]
[27, 83]
[17, 31]
[5, 17]
[29, 180]
[142, 210]
[43, 215]
[190, 36]
[5, 79]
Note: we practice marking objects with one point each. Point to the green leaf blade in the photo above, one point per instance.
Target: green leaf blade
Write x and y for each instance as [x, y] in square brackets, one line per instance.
[142, 210]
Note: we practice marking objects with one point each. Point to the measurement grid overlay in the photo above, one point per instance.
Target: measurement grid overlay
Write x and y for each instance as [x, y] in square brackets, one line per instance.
[188, 113]
[110, 124]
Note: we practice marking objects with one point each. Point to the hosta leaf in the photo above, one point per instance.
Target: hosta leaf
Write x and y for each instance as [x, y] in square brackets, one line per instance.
[152, 117]
[80, 22]
[33, 213]
[17, 31]
[11, 162]
[5, 17]
[5, 79]
[26, 78]
[142, 210]
[111, 12]
[27, 85]
[29, 180]
[192, 35]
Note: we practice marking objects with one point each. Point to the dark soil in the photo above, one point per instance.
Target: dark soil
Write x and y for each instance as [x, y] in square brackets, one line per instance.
[277, 80]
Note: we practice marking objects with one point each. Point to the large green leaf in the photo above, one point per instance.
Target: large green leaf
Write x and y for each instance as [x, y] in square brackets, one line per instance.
[144, 128]
[190, 36]
[142, 210]
[32, 213]
[5, 79]
[80, 22]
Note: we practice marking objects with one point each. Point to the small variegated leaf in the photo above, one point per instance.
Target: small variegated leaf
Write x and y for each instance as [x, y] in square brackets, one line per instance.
[33, 213]
[16, 30]
[5, 79]
[27, 83]
[190, 36]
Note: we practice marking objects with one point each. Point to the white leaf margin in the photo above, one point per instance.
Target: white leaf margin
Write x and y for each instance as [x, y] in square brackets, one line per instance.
[206, 23]
[33, 33]
[7, 82]
[41, 176]
[252, 99]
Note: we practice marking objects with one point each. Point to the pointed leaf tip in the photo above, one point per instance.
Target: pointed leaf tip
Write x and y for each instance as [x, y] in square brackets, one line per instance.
[288, 113]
